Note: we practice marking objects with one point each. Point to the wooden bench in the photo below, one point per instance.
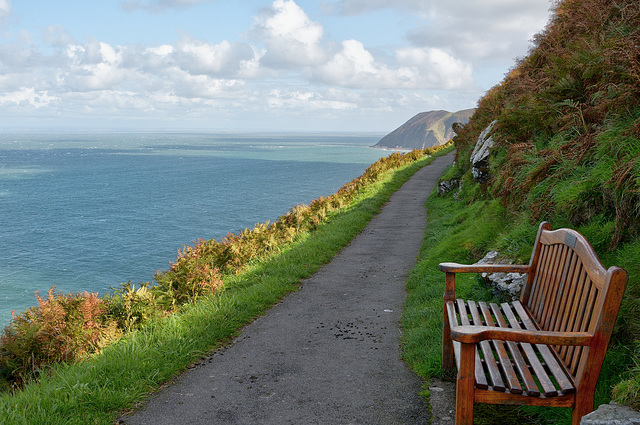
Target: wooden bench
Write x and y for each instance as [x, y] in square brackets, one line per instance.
[545, 349]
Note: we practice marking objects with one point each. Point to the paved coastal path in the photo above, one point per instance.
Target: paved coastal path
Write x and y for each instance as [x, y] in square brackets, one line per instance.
[327, 354]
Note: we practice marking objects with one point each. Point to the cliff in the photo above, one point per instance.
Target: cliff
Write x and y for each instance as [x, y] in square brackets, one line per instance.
[425, 130]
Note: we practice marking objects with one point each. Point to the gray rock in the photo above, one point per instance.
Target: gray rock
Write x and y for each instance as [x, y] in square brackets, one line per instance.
[480, 155]
[609, 414]
[506, 285]
[447, 186]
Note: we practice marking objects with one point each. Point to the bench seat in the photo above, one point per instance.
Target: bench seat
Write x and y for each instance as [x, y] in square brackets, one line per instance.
[511, 367]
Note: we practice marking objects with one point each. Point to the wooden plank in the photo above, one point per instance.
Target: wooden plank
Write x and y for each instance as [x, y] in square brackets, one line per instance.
[481, 378]
[584, 325]
[520, 363]
[493, 397]
[565, 307]
[566, 352]
[503, 358]
[554, 364]
[552, 290]
[534, 262]
[534, 293]
[541, 275]
[559, 287]
[487, 352]
[548, 389]
[573, 353]
[550, 281]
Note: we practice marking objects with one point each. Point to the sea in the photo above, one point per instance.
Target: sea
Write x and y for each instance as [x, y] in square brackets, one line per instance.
[87, 212]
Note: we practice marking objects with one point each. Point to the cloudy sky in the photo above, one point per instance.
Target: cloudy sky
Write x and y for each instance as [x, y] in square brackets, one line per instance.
[263, 65]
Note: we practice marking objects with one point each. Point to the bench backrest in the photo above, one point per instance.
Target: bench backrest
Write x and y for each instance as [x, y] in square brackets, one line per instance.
[569, 290]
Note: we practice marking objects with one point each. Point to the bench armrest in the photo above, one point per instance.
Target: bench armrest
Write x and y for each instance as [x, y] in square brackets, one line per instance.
[483, 268]
[475, 334]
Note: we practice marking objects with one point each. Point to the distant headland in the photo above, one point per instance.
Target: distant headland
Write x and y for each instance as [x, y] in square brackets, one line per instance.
[425, 130]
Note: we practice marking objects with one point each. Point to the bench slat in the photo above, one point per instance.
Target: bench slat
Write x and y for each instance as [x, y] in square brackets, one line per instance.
[554, 364]
[537, 289]
[487, 352]
[567, 299]
[481, 379]
[504, 360]
[548, 389]
[564, 295]
[566, 352]
[559, 284]
[520, 363]
[584, 325]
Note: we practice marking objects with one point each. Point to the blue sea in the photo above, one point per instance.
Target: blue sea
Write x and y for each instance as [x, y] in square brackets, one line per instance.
[86, 212]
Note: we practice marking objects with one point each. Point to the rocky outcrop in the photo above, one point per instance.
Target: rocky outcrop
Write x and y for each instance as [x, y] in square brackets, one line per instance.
[480, 155]
[425, 130]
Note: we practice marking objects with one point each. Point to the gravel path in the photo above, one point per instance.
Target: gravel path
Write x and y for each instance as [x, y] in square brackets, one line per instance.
[327, 354]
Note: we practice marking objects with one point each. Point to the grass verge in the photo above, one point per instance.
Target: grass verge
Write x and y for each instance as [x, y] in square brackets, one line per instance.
[98, 390]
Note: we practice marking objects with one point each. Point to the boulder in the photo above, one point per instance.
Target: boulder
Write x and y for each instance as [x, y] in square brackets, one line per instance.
[612, 414]
[447, 186]
[480, 155]
[505, 285]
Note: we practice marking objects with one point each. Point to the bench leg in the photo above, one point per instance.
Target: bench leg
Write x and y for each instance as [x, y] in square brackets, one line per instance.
[584, 405]
[465, 385]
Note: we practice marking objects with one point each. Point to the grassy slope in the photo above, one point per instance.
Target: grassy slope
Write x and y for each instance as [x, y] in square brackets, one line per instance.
[567, 151]
[95, 391]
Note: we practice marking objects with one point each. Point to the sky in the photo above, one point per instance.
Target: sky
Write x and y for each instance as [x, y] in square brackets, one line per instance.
[252, 65]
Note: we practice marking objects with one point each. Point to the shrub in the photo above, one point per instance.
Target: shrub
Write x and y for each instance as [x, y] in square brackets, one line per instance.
[62, 328]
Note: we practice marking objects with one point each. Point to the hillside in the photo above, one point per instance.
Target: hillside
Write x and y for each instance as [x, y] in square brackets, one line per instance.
[566, 149]
[425, 130]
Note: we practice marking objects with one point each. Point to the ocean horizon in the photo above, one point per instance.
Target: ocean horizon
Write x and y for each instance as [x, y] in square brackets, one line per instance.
[89, 211]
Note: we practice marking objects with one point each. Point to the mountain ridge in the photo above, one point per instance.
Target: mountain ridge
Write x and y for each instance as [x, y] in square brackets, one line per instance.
[425, 130]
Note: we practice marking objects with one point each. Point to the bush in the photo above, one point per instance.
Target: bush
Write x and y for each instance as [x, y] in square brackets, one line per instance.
[62, 328]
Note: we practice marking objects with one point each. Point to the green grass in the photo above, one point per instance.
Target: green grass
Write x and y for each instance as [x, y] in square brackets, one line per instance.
[98, 390]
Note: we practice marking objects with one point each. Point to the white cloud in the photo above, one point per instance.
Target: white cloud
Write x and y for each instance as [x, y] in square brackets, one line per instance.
[287, 64]
[27, 97]
[415, 68]
[487, 29]
[356, 7]
[94, 66]
[435, 68]
[290, 37]
[5, 9]
[224, 59]
[159, 6]
[306, 100]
